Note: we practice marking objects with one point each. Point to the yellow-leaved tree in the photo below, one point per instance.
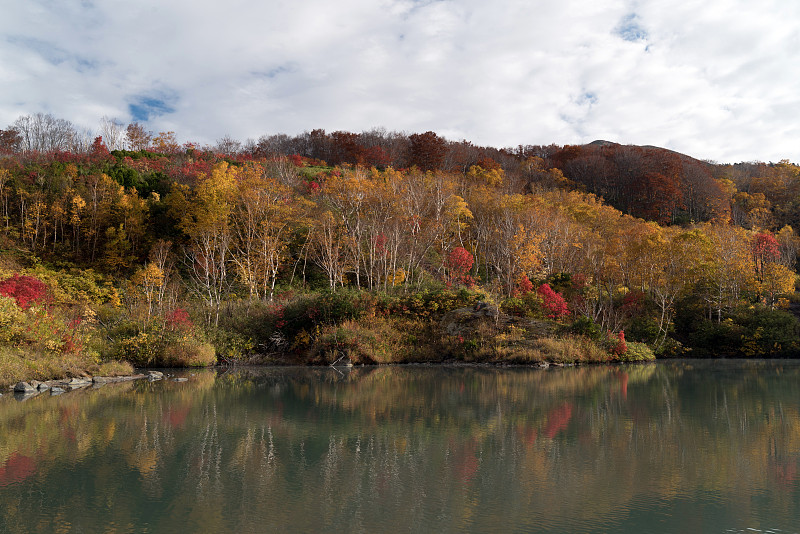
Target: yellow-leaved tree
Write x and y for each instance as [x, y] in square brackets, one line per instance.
[205, 218]
[148, 280]
[265, 212]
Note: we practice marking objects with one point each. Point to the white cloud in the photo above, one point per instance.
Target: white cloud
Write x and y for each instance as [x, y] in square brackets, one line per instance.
[715, 79]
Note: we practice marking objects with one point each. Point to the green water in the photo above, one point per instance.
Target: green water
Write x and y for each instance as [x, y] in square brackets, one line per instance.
[670, 447]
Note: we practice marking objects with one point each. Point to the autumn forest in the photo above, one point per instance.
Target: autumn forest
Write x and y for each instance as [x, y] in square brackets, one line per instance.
[124, 247]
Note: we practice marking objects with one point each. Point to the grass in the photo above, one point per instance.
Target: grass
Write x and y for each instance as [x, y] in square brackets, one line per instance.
[17, 365]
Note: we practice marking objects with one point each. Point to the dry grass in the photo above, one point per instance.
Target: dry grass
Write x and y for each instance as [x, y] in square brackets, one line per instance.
[17, 365]
[112, 368]
[189, 353]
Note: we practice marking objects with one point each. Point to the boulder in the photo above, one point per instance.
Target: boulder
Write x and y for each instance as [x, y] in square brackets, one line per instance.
[155, 375]
[79, 382]
[484, 309]
[180, 379]
[24, 387]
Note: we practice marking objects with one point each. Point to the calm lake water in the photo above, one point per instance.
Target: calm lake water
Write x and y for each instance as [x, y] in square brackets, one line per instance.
[685, 446]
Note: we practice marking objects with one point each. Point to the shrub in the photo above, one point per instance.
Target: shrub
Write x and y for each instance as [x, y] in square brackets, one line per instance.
[162, 342]
[142, 349]
[524, 305]
[553, 304]
[585, 326]
[637, 352]
[747, 331]
[643, 328]
[25, 290]
[11, 319]
[620, 346]
[230, 345]
[189, 353]
[524, 286]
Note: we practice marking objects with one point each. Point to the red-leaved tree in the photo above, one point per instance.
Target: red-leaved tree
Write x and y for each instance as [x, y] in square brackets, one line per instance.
[458, 264]
[554, 305]
[26, 290]
[765, 249]
[178, 319]
[524, 286]
[620, 346]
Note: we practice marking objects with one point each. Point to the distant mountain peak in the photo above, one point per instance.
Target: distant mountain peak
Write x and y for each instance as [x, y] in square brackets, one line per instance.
[602, 142]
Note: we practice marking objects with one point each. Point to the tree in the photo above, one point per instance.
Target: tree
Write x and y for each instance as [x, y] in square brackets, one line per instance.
[666, 268]
[149, 279]
[330, 248]
[10, 140]
[508, 239]
[765, 250]
[112, 133]
[228, 146]
[163, 259]
[554, 305]
[137, 137]
[264, 214]
[727, 269]
[426, 151]
[117, 256]
[789, 244]
[776, 280]
[43, 133]
[205, 217]
[102, 193]
[458, 264]
[5, 177]
[166, 143]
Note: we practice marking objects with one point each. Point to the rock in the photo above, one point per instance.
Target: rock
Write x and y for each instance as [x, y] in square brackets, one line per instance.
[100, 380]
[55, 390]
[155, 375]
[181, 379]
[42, 386]
[24, 387]
[484, 309]
[79, 382]
[543, 365]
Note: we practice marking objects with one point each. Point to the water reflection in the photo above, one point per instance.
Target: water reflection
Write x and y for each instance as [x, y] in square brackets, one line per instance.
[677, 446]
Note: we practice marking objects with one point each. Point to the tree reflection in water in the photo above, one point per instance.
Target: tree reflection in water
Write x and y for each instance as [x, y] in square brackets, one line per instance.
[669, 446]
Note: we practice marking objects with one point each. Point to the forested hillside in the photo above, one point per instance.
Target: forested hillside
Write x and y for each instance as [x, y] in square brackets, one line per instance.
[132, 246]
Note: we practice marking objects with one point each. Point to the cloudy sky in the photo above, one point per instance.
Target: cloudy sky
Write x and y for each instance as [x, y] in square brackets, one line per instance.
[716, 79]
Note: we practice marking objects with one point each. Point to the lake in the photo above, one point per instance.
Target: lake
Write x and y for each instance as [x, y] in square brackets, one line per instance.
[676, 446]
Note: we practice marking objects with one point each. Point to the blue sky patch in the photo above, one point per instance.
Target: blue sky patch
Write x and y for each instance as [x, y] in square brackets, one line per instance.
[50, 52]
[630, 29]
[145, 107]
[588, 98]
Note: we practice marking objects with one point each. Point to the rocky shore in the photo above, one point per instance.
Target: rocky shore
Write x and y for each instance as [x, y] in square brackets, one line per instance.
[57, 387]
